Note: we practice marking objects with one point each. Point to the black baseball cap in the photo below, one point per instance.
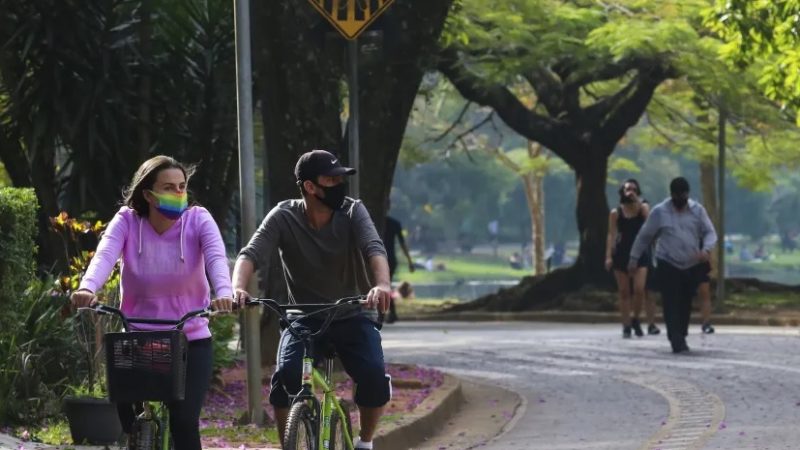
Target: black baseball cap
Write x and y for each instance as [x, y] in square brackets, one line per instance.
[319, 162]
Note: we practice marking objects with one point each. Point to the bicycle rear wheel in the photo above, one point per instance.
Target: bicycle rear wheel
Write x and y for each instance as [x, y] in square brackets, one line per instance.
[338, 427]
[145, 435]
[300, 429]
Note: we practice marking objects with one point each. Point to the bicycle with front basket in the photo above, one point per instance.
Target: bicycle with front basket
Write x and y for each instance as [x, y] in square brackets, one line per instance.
[147, 368]
[317, 417]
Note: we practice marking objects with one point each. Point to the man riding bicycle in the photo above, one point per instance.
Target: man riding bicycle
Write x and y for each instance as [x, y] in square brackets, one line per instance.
[329, 249]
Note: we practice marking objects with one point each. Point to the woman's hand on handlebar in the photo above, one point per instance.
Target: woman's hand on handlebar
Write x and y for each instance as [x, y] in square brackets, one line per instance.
[83, 298]
[379, 297]
[223, 304]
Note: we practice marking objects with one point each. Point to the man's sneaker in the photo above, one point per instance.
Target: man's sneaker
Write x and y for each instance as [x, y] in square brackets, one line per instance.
[707, 328]
[652, 329]
[626, 331]
[637, 327]
[358, 445]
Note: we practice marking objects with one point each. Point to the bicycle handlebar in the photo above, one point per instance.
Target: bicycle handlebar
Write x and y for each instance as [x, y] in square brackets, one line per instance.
[309, 309]
[102, 309]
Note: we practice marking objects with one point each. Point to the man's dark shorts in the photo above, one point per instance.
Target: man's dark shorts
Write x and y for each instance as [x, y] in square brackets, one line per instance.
[703, 272]
[358, 344]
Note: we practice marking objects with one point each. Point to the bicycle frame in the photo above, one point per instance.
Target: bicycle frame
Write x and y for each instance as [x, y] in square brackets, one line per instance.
[159, 412]
[314, 381]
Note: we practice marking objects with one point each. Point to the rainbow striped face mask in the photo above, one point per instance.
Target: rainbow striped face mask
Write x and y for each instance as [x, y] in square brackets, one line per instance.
[171, 205]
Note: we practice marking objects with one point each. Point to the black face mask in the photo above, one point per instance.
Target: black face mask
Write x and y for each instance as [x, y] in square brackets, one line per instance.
[334, 196]
[679, 202]
[626, 199]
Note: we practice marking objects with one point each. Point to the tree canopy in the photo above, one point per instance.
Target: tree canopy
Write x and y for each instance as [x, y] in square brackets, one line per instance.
[764, 34]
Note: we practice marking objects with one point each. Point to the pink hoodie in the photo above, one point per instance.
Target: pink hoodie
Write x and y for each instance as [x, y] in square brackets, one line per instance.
[163, 276]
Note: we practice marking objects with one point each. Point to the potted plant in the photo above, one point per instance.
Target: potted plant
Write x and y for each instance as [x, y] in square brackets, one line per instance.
[92, 418]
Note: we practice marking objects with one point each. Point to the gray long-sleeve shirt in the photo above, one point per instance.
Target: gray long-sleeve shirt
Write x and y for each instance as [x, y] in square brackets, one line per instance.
[320, 266]
[681, 234]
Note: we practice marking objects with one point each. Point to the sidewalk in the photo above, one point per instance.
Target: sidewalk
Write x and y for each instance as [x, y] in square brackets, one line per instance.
[784, 319]
[406, 432]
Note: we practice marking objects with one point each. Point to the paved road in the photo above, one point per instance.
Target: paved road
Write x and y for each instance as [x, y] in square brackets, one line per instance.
[587, 388]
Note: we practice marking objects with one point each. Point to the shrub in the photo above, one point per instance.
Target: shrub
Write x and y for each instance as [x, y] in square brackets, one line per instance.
[38, 356]
[17, 247]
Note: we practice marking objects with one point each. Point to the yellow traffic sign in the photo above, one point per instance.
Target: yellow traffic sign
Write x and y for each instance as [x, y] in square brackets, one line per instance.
[351, 17]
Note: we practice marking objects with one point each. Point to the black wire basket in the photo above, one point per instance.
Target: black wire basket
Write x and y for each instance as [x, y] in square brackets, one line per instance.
[146, 366]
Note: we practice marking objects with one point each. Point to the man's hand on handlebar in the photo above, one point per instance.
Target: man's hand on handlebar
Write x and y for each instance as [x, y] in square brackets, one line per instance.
[379, 297]
[241, 297]
[83, 298]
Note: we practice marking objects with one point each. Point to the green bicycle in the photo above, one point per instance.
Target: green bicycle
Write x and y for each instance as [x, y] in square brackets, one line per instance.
[317, 418]
[148, 369]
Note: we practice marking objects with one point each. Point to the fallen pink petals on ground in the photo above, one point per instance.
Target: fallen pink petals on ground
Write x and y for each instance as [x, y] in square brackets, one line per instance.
[226, 403]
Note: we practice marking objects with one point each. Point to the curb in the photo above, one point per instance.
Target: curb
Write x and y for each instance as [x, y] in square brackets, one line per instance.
[590, 317]
[426, 419]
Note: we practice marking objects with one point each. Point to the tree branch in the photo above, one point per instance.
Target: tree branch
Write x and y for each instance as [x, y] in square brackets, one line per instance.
[453, 125]
[472, 129]
[625, 111]
[545, 130]
[548, 90]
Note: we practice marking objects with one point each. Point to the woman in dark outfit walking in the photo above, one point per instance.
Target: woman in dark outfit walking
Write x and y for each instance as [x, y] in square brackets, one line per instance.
[624, 223]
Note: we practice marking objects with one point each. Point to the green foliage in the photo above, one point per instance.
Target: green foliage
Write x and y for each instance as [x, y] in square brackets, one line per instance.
[109, 83]
[5, 181]
[223, 330]
[763, 34]
[38, 355]
[17, 247]
[53, 432]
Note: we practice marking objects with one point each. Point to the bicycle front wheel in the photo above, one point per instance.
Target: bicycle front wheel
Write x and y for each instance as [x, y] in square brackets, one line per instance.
[338, 439]
[300, 430]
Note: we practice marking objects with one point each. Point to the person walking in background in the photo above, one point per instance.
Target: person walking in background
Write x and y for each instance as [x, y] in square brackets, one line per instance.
[393, 230]
[624, 223]
[678, 223]
[704, 295]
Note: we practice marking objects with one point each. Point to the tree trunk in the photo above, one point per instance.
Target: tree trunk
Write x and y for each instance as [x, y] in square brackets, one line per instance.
[537, 212]
[49, 256]
[592, 215]
[708, 185]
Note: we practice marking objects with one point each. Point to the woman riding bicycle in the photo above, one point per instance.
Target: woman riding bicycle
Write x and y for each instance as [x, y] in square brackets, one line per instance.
[168, 250]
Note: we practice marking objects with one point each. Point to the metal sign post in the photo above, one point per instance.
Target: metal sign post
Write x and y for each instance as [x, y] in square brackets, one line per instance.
[247, 196]
[351, 18]
[353, 142]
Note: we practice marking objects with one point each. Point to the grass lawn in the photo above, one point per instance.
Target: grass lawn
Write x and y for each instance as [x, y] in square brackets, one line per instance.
[763, 301]
[461, 267]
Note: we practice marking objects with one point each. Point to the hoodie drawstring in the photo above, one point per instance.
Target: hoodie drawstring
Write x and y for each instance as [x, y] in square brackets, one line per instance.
[182, 222]
[140, 236]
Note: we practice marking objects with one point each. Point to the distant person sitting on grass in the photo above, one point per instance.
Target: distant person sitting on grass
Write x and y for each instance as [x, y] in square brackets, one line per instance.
[745, 255]
[431, 266]
[515, 261]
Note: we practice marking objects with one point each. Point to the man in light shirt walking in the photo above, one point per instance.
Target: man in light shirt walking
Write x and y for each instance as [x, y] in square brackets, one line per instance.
[678, 223]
